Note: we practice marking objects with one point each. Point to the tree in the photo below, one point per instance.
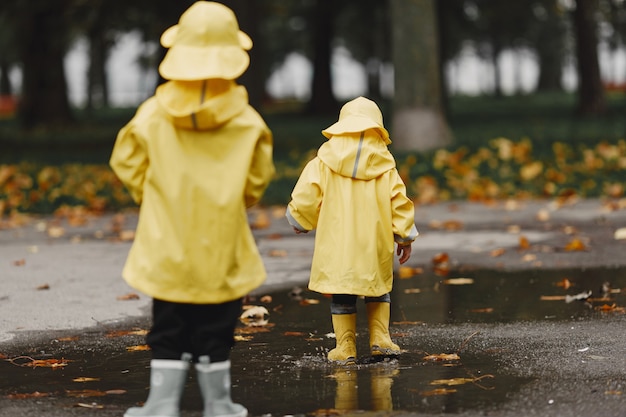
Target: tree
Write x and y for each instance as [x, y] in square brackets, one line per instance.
[591, 98]
[418, 121]
[322, 100]
[42, 43]
[548, 38]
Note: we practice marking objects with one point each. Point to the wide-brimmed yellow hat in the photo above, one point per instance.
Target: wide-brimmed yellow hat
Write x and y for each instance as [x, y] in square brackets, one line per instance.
[356, 116]
[206, 43]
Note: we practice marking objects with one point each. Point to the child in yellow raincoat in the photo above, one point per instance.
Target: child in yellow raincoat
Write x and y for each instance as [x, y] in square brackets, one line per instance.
[195, 156]
[352, 194]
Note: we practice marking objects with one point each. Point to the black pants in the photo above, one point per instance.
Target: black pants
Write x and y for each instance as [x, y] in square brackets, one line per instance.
[199, 329]
[346, 303]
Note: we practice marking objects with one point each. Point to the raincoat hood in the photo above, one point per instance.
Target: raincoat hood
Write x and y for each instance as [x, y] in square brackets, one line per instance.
[362, 156]
[357, 116]
[202, 105]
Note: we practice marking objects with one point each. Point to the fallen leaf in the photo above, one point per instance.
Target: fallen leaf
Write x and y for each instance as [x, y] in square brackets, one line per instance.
[610, 308]
[297, 334]
[127, 297]
[442, 357]
[93, 406]
[85, 393]
[543, 215]
[261, 221]
[138, 348]
[575, 245]
[442, 269]
[20, 262]
[529, 257]
[564, 283]
[482, 310]
[552, 298]
[412, 291]
[115, 391]
[239, 338]
[405, 272]
[24, 396]
[85, 379]
[620, 234]
[120, 333]
[497, 252]
[523, 243]
[278, 253]
[578, 297]
[458, 281]
[43, 287]
[126, 235]
[266, 299]
[55, 231]
[453, 381]
[440, 258]
[255, 316]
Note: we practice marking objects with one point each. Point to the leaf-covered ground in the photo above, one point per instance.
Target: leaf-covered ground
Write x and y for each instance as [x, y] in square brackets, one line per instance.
[502, 168]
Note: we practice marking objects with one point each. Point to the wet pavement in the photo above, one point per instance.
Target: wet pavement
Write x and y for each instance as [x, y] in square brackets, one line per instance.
[511, 301]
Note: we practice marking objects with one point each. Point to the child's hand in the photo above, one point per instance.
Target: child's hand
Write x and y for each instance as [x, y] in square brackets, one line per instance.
[298, 231]
[404, 252]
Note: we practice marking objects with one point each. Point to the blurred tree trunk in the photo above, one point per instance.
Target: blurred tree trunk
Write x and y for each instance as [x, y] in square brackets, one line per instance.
[418, 121]
[591, 98]
[5, 81]
[99, 45]
[550, 46]
[42, 44]
[322, 100]
[249, 14]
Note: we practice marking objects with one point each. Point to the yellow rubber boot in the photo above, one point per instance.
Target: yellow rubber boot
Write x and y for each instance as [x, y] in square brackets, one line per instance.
[378, 321]
[345, 334]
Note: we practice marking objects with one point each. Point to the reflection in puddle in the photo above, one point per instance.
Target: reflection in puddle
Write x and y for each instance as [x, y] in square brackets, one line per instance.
[282, 369]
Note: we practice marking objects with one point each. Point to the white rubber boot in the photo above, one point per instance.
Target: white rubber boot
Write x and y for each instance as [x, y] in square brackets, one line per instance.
[167, 382]
[214, 381]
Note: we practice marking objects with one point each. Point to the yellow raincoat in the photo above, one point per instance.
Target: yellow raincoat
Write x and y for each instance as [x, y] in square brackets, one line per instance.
[194, 168]
[352, 194]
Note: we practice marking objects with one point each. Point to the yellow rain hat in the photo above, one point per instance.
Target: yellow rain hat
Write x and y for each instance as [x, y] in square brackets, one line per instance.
[356, 116]
[206, 43]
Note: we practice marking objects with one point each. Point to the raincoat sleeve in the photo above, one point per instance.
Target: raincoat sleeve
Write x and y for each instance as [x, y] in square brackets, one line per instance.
[261, 169]
[402, 212]
[306, 199]
[129, 161]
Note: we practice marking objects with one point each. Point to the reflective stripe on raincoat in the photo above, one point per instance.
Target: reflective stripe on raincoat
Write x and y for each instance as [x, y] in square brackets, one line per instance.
[194, 157]
[353, 195]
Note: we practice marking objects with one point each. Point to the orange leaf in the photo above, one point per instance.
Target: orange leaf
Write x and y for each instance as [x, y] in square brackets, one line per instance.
[138, 348]
[405, 272]
[442, 357]
[441, 258]
[575, 245]
[565, 283]
[127, 297]
[497, 252]
[524, 243]
[438, 391]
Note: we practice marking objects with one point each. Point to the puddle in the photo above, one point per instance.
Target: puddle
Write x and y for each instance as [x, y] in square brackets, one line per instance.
[283, 370]
[500, 297]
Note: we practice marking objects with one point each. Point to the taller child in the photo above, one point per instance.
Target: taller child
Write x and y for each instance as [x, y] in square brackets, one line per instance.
[353, 195]
[195, 156]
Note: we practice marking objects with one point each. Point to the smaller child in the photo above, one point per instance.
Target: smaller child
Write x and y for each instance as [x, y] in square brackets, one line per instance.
[353, 195]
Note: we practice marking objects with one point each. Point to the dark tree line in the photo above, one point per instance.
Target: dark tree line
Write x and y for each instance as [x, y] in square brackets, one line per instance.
[35, 35]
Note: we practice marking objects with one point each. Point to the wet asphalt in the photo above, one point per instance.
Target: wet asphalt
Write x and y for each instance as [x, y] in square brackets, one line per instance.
[61, 279]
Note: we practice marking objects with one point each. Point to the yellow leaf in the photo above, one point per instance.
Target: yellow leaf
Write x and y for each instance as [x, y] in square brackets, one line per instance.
[438, 391]
[575, 245]
[442, 357]
[531, 170]
[138, 348]
[620, 234]
[458, 281]
[453, 381]
[405, 272]
[85, 379]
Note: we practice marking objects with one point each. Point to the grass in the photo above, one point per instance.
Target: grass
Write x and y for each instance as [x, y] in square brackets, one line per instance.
[551, 151]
